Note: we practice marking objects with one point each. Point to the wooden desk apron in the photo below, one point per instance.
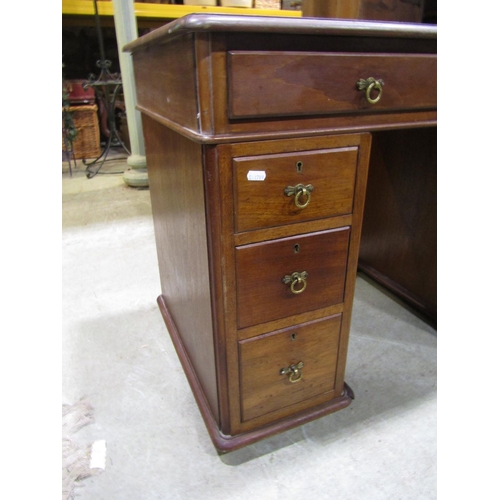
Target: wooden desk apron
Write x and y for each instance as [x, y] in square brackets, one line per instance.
[258, 134]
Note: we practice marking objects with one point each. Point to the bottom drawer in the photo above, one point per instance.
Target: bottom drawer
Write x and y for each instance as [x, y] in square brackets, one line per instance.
[288, 367]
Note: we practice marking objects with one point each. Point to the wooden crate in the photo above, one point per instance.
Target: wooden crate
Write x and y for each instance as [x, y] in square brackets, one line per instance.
[87, 143]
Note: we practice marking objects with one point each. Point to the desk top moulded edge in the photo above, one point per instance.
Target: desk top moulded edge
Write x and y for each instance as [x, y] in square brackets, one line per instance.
[280, 25]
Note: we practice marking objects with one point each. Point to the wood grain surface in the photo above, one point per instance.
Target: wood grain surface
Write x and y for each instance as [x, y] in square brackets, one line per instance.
[399, 238]
[166, 82]
[302, 83]
[260, 204]
[261, 294]
[264, 389]
[178, 204]
[376, 10]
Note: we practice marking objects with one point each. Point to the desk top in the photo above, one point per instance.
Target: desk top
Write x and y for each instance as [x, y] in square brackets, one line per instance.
[217, 78]
[196, 23]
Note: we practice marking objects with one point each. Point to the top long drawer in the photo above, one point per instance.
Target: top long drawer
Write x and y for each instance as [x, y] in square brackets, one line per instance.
[304, 83]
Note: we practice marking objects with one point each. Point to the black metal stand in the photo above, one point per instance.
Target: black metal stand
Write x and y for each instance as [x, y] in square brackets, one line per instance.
[70, 153]
[107, 87]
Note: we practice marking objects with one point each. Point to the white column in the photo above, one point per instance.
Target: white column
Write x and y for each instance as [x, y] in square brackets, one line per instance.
[126, 31]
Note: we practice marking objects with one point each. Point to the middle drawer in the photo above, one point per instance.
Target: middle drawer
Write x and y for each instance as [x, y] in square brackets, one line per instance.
[289, 276]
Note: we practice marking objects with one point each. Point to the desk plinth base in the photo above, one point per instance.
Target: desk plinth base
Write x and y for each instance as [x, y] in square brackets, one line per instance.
[222, 442]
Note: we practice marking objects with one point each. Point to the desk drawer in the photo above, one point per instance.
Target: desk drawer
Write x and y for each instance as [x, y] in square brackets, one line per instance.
[264, 293]
[264, 195]
[266, 84]
[310, 348]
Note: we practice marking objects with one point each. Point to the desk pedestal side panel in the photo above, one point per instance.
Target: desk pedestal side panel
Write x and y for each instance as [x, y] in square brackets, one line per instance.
[175, 171]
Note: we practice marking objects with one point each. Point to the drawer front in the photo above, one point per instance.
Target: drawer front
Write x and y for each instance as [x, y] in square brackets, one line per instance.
[310, 348]
[305, 83]
[267, 187]
[267, 286]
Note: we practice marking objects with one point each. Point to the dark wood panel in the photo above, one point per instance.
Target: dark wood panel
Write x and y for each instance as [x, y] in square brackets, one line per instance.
[312, 226]
[352, 262]
[204, 81]
[166, 81]
[265, 389]
[261, 294]
[219, 307]
[302, 83]
[263, 203]
[285, 127]
[409, 11]
[277, 127]
[318, 43]
[178, 203]
[280, 324]
[399, 239]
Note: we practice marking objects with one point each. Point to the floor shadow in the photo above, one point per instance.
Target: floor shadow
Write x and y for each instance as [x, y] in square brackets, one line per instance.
[405, 305]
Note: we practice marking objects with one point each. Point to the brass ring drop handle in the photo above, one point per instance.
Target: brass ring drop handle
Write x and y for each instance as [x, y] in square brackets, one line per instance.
[300, 192]
[294, 372]
[369, 85]
[297, 282]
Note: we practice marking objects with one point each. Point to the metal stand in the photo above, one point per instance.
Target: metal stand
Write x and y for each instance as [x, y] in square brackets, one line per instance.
[107, 87]
[70, 153]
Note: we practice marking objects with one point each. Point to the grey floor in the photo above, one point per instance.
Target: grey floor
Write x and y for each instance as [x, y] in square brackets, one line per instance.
[118, 355]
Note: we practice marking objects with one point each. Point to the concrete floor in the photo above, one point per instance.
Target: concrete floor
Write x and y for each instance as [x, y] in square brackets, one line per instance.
[118, 355]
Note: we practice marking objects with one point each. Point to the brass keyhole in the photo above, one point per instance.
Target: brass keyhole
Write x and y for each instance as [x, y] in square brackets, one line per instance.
[299, 166]
[296, 248]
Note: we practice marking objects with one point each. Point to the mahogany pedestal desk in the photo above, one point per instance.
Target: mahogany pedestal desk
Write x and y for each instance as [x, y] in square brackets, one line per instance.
[258, 134]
